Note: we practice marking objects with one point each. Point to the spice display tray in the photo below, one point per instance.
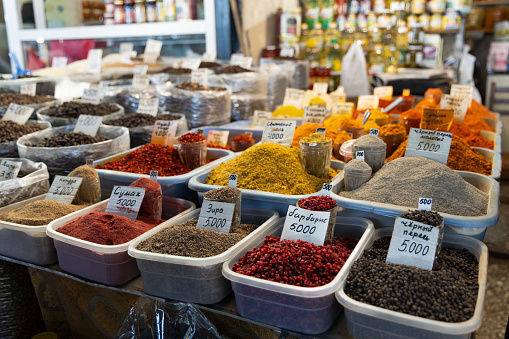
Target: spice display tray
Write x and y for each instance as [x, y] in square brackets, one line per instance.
[383, 215]
[174, 186]
[27, 243]
[495, 158]
[106, 264]
[257, 134]
[309, 310]
[248, 124]
[495, 123]
[496, 138]
[197, 280]
[261, 199]
[367, 321]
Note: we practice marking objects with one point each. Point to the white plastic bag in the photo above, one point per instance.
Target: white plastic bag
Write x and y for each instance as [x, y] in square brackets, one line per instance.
[354, 76]
[466, 72]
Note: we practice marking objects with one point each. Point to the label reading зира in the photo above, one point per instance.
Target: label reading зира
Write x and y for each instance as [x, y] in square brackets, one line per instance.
[18, 113]
[88, 124]
[164, 132]
[9, 169]
[279, 131]
[218, 137]
[434, 145]
[305, 225]
[148, 106]
[125, 201]
[63, 189]
[217, 216]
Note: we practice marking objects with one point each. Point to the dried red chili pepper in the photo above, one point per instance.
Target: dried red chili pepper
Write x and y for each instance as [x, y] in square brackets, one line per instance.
[243, 138]
[191, 137]
[317, 203]
[228, 147]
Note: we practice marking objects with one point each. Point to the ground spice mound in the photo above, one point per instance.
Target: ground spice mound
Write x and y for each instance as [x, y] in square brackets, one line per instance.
[146, 158]
[480, 109]
[474, 118]
[267, 167]
[447, 293]
[403, 181]
[461, 157]
[392, 129]
[107, 229]
[190, 241]
[40, 212]
[471, 137]
[341, 121]
[308, 129]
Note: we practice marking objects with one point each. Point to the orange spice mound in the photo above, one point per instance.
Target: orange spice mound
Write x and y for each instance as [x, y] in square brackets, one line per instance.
[341, 121]
[476, 121]
[392, 129]
[427, 102]
[481, 109]
[307, 129]
[342, 137]
[472, 138]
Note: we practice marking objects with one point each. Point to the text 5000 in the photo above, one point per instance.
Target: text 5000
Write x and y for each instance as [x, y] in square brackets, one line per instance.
[426, 146]
[413, 248]
[215, 222]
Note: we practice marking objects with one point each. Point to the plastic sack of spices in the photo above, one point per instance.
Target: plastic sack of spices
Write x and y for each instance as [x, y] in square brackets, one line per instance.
[60, 121]
[354, 67]
[278, 79]
[62, 160]
[243, 82]
[10, 149]
[296, 70]
[32, 180]
[244, 105]
[150, 319]
[121, 92]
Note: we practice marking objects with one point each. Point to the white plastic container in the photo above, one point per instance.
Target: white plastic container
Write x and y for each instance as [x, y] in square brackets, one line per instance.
[495, 123]
[383, 215]
[496, 138]
[495, 158]
[27, 243]
[261, 199]
[106, 264]
[174, 186]
[367, 321]
[309, 310]
[197, 280]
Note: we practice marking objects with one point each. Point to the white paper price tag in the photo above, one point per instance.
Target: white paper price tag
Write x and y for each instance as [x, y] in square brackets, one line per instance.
[18, 113]
[374, 131]
[59, 63]
[425, 204]
[200, 76]
[63, 189]
[9, 169]
[294, 97]
[320, 87]
[359, 155]
[148, 106]
[458, 104]
[152, 51]
[210, 57]
[94, 61]
[216, 216]
[463, 91]
[125, 47]
[236, 58]
[232, 180]
[413, 244]
[153, 175]
[287, 52]
[259, 117]
[191, 63]
[244, 62]
[164, 132]
[89, 162]
[279, 131]
[342, 108]
[367, 102]
[322, 131]
[433, 145]
[383, 92]
[28, 88]
[314, 115]
[141, 69]
[326, 190]
[88, 124]
[218, 137]
[125, 201]
[305, 225]
[91, 96]
[141, 81]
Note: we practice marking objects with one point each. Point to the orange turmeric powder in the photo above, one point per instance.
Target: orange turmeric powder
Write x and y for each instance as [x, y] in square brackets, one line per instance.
[472, 138]
[411, 114]
[341, 138]
[481, 110]
[428, 102]
[341, 121]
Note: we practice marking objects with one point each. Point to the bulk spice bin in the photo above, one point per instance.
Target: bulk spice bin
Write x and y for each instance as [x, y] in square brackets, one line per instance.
[309, 310]
[368, 321]
[495, 158]
[57, 121]
[197, 280]
[233, 132]
[9, 149]
[106, 264]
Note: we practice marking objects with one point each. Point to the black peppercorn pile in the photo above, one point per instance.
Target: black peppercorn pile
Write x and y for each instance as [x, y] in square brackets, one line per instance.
[73, 109]
[140, 119]
[70, 139]
[10, 130]
[232, 70]
[193, 86]
[448, 293]
[426, 217]
[22, 99]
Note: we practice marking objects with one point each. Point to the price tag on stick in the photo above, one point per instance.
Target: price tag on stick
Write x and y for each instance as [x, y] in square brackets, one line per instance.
[434, 145]
[458, 104]
[88, 124]
[28, 88]
[216, 216]
[63, 189]
[18, 113]
[279, 131]
[232, 180]
[326, 190]
[314, 115]
[148, 106]
[259, 117]
[59, 63]
[153, 175]
[463, 91]
[218, 137]
[125, 201]
[164, 132]
[9, 169]
[359, 155]
[152, 51]
[141, 81]
[374, 131]
[200, 76]
[305, 225]
[322, 131]
[425, 204]
[91, 96]
[89, 162]
[320, 87]
[413, 244]
[94, 61]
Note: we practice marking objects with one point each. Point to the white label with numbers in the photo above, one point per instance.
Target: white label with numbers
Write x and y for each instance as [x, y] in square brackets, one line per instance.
[148, 106]
[374, 131]
[326, 190]
[18, 113]
[94, 61]
[125, 47]
[342, 108]
[279, 131]
[200, 76]
[413, 244]
[235, 58]
[88, 124]
[89, 162]
[216, 216]
[367, 102]
[320, 87]
[210, 57]
[458, 104]
[425, 204]
[28, 88]
[153, 175]
[164, 132]
[9, 169]
[141, 81]
[191, 63]
[152, 51]
[232, 180]
[59, 63]
[463, 91]
[359, 155]
[314, 115]
[259, 117]
[218, 137]
[305, 225]
[125, 201]
[383, 92]
[433, 145]
[322, 131]
[294, 97]
[63, 189]
[141, 69]
[91, 96]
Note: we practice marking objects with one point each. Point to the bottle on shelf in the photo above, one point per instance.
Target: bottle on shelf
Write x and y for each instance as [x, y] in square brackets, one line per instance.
[304, 33]
[347, 39]
[331, 33]
[170, 10]
[139, 11]
[326, 13]
[331, 56]
[129, 12]
[312, 12]
[391, 59]
[151, 11]
[376, 60]
[354, 7]
[311, 53]
[161, 15]
[85, 4]
[119, 12]
[316, 34]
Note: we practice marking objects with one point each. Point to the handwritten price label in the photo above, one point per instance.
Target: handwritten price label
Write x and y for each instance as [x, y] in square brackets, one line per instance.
[218, 137]
[294, 97]
[359, 155]
[63, 189]
[148, 106]
[374, 131]
[367, 102]
[322, 131]
[94, 61]
[216, 216]
[425, 204]
[279, 131]
[463, 91]
[91, 96]
[193, 64]
[383, 92]
[88, 124]
[125, 201]
[232, 180]
[125, 47]
[305, 225]
[164, 132]
[314, 115]
[200, 76]
[259, 117]
[342, 108]
[320, 87]
[240, 60]
[210, 57]
[153, 175]
[140, 70]
[59, 63]
[326, 190]
[18, 113]
[458, 104]
[28, 88]
[141, 81]
[434, 145]
[9, 169]
[436, 119]
[152, 51]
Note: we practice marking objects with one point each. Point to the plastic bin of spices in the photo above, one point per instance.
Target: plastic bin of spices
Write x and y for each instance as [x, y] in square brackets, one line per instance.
[309, 310]
[368, 321]
[106, 264]
[197, 280]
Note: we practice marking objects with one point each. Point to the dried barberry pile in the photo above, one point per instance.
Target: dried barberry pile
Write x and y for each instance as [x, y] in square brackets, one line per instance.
[317, 203]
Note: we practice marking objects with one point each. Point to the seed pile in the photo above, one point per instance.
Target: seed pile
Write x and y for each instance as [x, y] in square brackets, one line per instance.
[447, 293]
[426, 217]
[232, 70]
[73, 109]
[296, 263]
[40, 212]
[140, 119]
[187, 240]
[403, 181]
[70, 139]
[193, 86]
[23, 99]
[10, 130]
[222, 194]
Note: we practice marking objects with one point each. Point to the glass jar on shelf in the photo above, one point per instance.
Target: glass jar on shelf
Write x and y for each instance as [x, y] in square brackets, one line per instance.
[151, 11]
[139, 11]
[119, 12]
[129, 17]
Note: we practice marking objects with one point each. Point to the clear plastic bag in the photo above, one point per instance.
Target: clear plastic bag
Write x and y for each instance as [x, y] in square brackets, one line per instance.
[247, 82]
[62, 160]
[244, 105]
[278, 79]
[161, 78]
[32, 180]
[149, 319]
[297, 71]
[121, 92]
[58, 121]
[353, 77]
[10, 149]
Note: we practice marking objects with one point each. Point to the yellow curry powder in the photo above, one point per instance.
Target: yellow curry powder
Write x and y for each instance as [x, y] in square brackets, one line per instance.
[290, 111]
[315, 137]
[341, 121]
